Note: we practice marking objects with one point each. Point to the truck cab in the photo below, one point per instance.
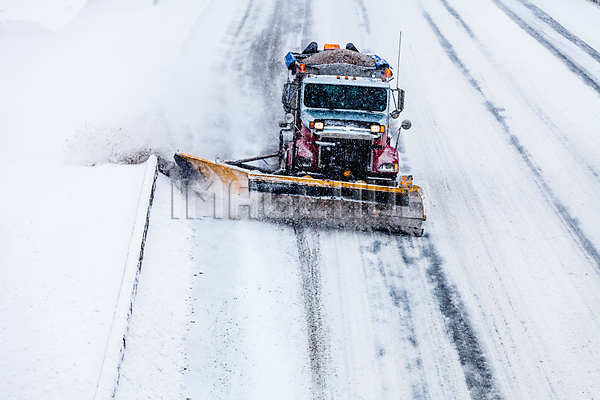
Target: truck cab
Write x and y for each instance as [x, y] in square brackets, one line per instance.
[339, 104]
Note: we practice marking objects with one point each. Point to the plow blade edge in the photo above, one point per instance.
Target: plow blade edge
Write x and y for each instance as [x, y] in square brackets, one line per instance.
[354, 205]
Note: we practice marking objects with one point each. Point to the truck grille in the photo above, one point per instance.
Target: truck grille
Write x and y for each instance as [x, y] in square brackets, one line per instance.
[348, 154]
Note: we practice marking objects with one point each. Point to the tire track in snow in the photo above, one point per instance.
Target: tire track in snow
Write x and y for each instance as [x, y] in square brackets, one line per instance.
[455, 14]
[252, 48]
[571, 64]
[478, 375]
[234, 42]
[269, 46]
[265, 70]
[539, 112]
[318, 339]
[577, 69]
[243, 20]
[572, 223]
[396, 289]
[564, 32]
[365, 15]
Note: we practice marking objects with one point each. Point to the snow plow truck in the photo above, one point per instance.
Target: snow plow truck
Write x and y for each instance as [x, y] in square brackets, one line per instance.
[336, 165]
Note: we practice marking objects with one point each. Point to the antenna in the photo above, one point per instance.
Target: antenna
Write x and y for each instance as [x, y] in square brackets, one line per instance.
[398, 70]
[406, 124]
[398, 94]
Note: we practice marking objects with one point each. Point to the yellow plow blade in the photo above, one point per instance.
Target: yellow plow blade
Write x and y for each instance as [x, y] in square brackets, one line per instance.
[306, 200]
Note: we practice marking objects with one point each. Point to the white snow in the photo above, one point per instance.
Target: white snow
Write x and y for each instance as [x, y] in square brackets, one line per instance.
[65, 232]
[505, 138]
[53, 15]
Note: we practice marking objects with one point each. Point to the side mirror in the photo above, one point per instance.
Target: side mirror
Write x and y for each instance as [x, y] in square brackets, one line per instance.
[398, 102]
[406, 125]
[286, 97]
[289, 118]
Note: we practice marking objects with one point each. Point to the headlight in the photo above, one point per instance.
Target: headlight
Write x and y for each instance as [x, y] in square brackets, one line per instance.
[316, 125]
[377, 128]
[388, 168]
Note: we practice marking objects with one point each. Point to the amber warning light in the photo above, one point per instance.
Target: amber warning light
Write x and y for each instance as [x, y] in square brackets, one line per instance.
[331, 47]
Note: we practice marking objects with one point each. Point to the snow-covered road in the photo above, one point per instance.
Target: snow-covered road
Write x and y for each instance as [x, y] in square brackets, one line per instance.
[499, 299]
[505, 139]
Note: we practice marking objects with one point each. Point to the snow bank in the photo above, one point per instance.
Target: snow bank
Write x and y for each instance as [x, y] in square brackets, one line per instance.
[65, 233]
[155, 359]
[80, 89]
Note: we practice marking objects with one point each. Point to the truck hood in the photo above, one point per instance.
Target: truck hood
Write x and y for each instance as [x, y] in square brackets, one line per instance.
[309, 115]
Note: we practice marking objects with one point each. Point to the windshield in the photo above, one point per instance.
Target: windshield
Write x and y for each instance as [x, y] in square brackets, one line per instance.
[345, 97]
